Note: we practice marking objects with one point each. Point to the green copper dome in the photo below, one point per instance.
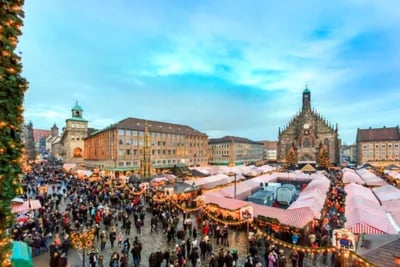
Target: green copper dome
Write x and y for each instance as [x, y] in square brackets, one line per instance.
[77, 107]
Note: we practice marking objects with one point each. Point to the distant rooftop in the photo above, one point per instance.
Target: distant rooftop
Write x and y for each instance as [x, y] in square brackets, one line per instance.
[378, 134]
[232, 139]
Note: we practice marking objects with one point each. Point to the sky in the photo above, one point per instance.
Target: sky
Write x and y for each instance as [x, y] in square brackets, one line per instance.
[222, 67]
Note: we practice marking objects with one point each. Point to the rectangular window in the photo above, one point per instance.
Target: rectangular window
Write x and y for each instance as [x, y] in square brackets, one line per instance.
[128, 133]
[121, 153]
[134, 133]
[128, 163]
[121, 164]
[141, 133]
[128, 152]
[121, 141]
[128, 141]
[120, 132]
[135, 142]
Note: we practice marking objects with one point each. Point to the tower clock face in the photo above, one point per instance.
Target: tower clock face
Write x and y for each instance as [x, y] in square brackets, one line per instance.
[306, 126]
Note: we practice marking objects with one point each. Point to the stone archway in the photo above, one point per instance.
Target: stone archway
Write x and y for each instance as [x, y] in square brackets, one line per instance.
[77, 153]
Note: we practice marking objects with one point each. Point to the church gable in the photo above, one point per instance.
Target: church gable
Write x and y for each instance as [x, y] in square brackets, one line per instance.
[308, 132]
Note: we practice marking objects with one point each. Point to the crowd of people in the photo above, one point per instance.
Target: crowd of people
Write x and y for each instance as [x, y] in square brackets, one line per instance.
[72, 205]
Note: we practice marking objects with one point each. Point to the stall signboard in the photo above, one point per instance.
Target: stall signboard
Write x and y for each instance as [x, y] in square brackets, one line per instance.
[343, 238]
[246, 213]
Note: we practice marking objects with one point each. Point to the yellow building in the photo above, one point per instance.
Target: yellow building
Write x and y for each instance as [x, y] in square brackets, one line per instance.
[378, 146]
[120, 146]
[72, 138]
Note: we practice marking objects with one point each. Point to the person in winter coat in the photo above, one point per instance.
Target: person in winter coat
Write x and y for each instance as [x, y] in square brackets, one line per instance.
[113, 236]
[213, 261]
[114, 261]
[194, 256]
[103, 239]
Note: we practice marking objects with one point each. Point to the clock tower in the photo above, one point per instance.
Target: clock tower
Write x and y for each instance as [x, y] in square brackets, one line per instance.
[306, 100]
[73, 136]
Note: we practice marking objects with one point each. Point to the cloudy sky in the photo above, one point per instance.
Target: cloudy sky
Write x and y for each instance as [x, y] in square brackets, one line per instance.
[223, 67]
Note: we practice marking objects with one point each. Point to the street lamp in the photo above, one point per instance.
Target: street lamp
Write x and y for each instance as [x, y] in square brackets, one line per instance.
[234, 180]
[234, 188]
[83, 240]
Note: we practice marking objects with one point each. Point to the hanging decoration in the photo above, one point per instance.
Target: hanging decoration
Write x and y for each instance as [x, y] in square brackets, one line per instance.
[12, 90]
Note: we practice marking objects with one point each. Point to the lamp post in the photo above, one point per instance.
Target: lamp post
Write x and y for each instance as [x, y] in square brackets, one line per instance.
[83, 240]
[234, 189]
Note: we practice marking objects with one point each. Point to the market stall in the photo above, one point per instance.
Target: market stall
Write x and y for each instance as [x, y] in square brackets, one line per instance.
[21, 255]
[26, 206]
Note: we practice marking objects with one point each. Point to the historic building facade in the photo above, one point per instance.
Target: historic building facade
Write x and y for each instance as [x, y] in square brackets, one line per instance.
[233, 150]
[379, 146]
[308, 136]
[270, 151]
[72, 138]
[122, 146]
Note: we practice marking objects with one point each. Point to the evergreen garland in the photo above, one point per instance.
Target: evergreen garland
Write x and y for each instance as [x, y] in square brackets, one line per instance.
[12, 90]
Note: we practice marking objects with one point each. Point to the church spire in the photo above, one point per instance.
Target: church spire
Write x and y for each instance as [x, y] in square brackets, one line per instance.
[306, 100]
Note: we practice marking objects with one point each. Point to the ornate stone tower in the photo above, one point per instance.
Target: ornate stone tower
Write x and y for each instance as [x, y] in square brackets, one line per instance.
[308, 134]
[72, 138]
[146, 168]
[54, 130]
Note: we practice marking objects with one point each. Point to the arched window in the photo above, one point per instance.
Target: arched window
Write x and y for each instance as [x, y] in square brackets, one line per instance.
[326, 143]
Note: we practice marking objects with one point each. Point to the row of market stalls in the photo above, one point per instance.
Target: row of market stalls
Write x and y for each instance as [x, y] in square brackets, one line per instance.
[364, 214]
[389, 197]
[299, 214]
[372, 205]
[242, 170]
[362, 177]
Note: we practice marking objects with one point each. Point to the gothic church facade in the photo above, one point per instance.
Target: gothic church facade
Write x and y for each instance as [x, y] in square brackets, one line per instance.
[306, 135]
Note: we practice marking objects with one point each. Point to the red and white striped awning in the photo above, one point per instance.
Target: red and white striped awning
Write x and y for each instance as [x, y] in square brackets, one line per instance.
[24, 207]
[361, 228]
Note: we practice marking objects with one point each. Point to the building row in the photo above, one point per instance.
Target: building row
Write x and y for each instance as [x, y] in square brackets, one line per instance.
[121, 146]
[306, 137]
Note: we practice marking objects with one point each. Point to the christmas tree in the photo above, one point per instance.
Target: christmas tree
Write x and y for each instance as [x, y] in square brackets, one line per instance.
[323, 158]
[12, 90]
[291, 158]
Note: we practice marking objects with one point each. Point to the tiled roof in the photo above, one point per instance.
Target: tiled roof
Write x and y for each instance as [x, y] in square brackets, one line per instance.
[156, 126]
[270, 144]
[231, 139]
[39, 133]
[384, 255]
[378, 134]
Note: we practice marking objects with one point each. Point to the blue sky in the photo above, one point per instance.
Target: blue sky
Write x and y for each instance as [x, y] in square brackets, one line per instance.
[222, 67]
